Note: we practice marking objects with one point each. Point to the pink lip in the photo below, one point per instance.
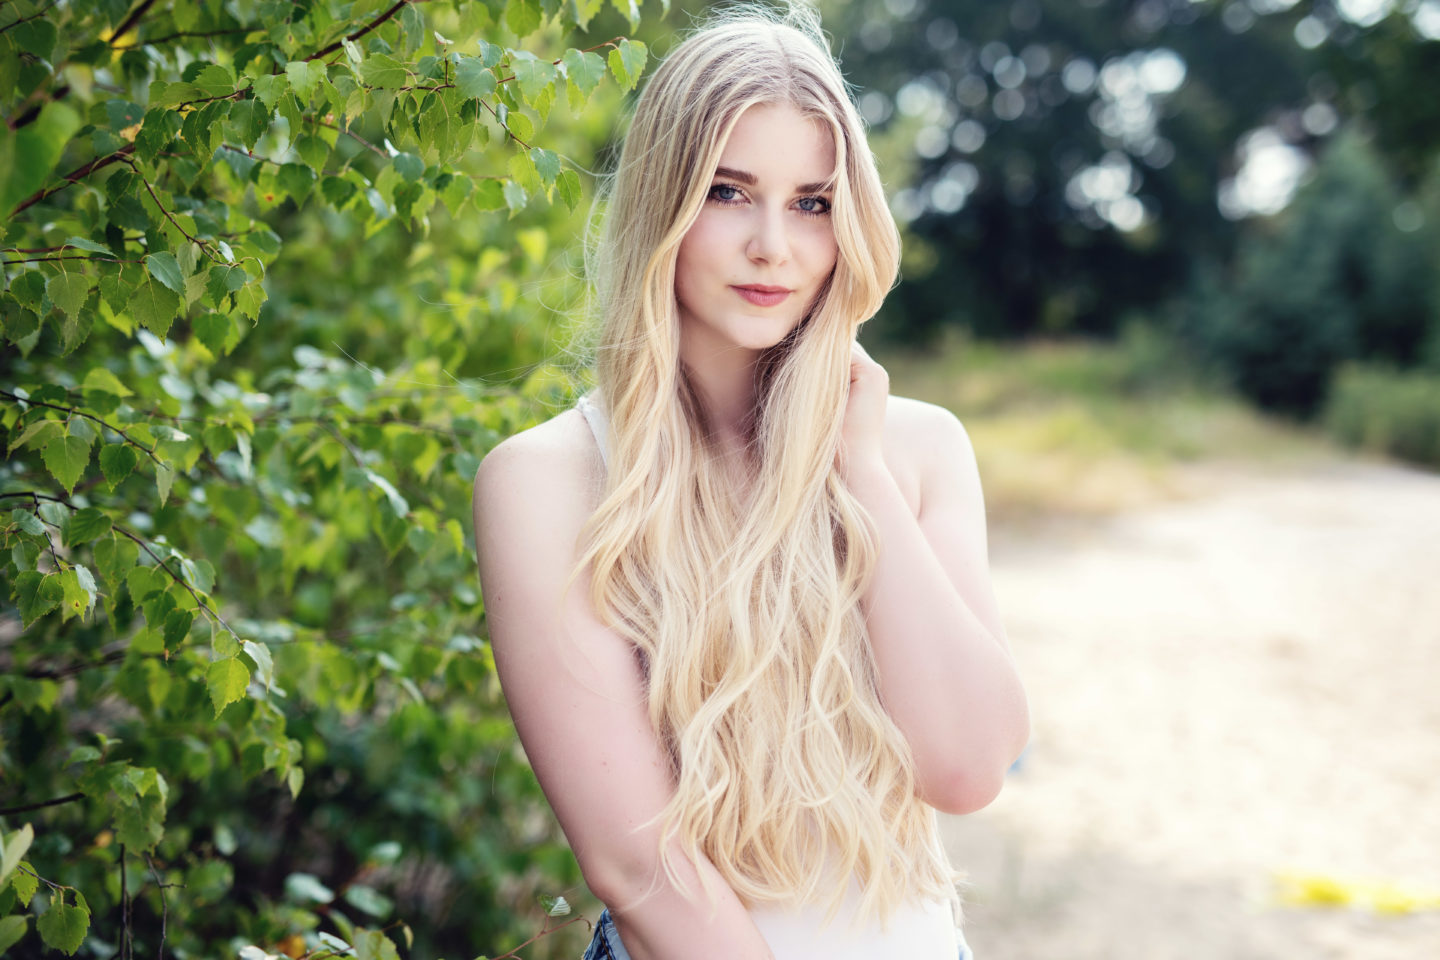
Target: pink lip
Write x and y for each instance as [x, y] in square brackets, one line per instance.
[763, 296]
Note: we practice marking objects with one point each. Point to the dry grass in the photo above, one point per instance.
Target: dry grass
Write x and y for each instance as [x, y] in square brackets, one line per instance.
[1090, 429]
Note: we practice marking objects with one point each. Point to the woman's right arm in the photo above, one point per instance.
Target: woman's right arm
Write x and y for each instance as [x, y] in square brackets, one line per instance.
[577, 697]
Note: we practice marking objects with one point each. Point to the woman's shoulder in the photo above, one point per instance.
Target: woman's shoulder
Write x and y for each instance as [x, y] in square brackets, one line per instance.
[917, 432]
[916, 426]
[910, 415]
[557, 458]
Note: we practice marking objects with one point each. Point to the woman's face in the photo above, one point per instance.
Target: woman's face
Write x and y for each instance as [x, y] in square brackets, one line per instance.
[763, 245]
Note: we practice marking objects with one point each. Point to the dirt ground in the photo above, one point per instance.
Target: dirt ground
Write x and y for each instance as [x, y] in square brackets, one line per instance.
[1225, 690]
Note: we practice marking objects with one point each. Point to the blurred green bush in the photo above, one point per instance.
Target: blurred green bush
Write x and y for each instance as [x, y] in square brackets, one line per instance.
[1332, 279]
[1386, 410]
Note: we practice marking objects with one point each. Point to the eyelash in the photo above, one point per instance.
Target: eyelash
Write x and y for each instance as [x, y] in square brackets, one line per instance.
[729, 186]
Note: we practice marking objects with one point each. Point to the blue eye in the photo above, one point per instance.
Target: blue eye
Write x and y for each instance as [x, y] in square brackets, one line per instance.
[723, 186]
[819, 211]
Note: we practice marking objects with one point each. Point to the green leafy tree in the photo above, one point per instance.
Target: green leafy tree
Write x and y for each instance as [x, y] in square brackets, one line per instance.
[276, 275]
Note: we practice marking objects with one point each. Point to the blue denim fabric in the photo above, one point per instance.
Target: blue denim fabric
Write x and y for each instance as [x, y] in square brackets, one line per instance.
[606, 945]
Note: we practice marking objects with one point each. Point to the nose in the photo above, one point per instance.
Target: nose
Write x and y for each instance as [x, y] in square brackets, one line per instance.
[769, 238]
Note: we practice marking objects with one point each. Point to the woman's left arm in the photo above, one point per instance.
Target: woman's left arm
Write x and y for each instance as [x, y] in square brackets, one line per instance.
[946, 673]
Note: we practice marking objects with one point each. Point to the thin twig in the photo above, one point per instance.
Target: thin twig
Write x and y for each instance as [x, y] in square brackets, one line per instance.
[361, 32]
[62, 246]
[60, 673]
[75, 176]
[127, 943]
[97, 258]
[545, 931]
[204, 245]
[177, 35]
[164, 907]
[29, 116]
[345, 442]
[35, 509]
[508, 131]
[39, 13]
[356, 136]
[237, 95]
[255, 156]
[25, 808]
[131, 20]
[174, 576]
[49, 883]
[139, 541]
[89, 416]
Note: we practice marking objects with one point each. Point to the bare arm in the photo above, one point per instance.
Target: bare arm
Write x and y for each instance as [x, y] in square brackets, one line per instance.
[946, 673]
[577, 696]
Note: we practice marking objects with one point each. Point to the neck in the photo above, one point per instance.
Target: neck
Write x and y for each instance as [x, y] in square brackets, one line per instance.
[725, 383]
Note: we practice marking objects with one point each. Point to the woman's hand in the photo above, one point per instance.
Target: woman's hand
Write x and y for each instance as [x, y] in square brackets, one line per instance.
[861, 446]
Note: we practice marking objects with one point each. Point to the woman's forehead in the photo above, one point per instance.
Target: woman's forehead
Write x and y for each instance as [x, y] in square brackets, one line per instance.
[778, 145]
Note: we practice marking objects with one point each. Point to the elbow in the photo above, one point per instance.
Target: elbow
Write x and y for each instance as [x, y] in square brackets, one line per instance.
[968, 783]
[620, 877]
[964, 790]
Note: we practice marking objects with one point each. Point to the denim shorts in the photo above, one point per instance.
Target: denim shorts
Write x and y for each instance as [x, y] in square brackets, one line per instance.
[606, 945]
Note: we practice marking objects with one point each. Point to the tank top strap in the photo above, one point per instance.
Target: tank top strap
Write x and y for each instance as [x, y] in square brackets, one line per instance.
[594, 412]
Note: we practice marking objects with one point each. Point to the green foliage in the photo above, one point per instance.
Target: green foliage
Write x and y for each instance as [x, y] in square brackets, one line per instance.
[263, 262]
[1388, 411]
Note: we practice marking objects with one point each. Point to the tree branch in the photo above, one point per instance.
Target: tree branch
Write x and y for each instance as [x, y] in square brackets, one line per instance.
[177, 35]
[133, 19]
[361, 32]
[545, 931]
[38, 13]
[125, 935]
[49, 259]
[357, 137]
[60, 673]
[174, 576]
[139, 541]
[76, 175]
[89, 416]
[508, 132]
[30, 114]
[204, 246]
[70, 798]
[63, 246]
[164, 905]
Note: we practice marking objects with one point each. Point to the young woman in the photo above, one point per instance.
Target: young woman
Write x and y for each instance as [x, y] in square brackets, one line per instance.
[739, 598]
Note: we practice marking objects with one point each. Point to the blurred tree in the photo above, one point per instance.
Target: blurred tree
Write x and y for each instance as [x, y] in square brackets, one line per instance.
[1061, 164]
[1332, 278]
[1383, 73]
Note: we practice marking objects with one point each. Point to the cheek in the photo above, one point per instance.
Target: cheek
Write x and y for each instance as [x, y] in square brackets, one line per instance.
[824, 250]
[705, 238]
[698, 254]
[685, 270]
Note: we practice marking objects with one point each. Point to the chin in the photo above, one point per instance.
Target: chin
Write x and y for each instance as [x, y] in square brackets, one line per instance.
[761, 343]
[765, 334]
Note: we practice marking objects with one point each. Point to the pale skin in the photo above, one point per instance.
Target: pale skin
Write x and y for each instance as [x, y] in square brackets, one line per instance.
[573, 685]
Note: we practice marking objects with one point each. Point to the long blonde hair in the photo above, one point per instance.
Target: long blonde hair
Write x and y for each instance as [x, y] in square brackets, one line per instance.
[788, 771]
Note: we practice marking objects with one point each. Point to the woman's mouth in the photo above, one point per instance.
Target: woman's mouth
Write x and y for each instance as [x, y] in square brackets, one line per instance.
[763, 296]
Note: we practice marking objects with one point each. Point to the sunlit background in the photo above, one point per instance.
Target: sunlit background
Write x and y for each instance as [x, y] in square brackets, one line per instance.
[1174, 264]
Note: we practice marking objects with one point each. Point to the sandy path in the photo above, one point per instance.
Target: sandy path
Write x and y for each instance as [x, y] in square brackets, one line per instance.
[1240, 683]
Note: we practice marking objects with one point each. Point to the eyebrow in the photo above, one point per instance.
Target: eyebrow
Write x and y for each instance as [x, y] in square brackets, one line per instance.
[730, 173]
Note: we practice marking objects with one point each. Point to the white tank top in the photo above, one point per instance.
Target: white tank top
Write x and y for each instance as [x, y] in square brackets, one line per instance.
[924, 930]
